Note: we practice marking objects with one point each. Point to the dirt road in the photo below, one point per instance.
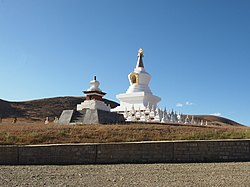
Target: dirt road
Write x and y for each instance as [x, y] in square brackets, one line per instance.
[202, 174]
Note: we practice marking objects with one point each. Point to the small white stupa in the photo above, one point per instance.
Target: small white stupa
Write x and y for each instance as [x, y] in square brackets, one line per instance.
[138, 95]
[92, 111]
[94, 98]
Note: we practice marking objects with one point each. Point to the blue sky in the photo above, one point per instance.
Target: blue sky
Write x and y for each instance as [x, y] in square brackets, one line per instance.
[197, 52]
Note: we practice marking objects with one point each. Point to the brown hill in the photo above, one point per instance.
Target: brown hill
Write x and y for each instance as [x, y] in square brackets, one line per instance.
[39, 109]
[215, 120]
[42, 108]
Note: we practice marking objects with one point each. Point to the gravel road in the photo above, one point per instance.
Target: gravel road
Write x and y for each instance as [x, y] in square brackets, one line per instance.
[201, 174]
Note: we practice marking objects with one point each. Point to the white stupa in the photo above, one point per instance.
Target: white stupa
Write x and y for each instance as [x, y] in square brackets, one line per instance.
[94, 98]
[92, 111]
[138, 95]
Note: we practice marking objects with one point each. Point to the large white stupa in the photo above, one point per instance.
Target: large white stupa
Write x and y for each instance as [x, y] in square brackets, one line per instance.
[138, 96]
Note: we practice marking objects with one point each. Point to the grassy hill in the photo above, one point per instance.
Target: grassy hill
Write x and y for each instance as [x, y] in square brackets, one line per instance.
[39, 133]
[215, 120]
[38, 110]
[30, 127]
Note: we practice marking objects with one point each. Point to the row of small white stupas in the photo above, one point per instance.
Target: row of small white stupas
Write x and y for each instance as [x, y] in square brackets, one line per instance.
[160, 116]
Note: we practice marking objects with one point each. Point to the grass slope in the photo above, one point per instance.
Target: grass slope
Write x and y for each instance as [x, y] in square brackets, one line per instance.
[38, 133]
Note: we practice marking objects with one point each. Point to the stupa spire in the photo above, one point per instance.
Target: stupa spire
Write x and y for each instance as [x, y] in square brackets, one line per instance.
[139, 60]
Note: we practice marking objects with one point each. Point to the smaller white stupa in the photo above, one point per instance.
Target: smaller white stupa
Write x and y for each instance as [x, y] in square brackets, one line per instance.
[138, 96]
[94, 98]
[92, 111]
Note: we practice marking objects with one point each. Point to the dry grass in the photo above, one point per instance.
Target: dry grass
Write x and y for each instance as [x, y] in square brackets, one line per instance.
[37, 133]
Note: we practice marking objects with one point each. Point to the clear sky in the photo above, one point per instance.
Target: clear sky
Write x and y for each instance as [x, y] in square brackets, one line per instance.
[197, 52]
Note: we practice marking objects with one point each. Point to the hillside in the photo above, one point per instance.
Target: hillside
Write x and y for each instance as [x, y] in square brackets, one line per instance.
[42, 108]
[215, 120]
[38, 110]
[39, 133]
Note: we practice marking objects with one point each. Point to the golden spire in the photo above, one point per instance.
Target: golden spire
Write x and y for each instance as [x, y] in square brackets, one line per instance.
[140, 52]
[139, 60]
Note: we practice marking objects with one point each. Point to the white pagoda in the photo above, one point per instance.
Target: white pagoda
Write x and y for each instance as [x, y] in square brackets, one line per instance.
[94, 98]
[92, 111]
[138, 96]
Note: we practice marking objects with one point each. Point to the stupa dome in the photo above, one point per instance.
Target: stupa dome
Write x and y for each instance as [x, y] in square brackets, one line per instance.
[94, 85]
